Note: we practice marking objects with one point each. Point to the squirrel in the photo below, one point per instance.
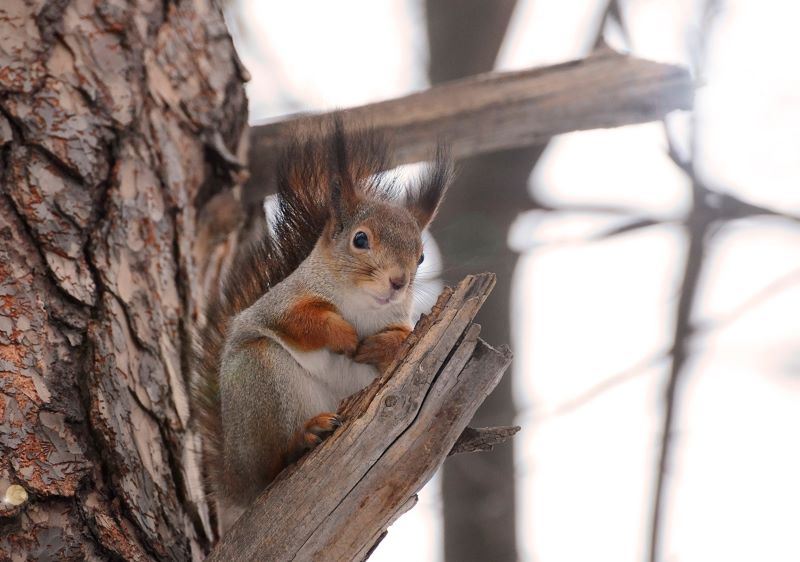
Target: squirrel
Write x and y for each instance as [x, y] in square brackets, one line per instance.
[311, 313]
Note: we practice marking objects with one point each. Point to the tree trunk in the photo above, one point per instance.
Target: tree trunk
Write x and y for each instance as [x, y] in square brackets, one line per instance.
[472, 229]
[479, 490]
[114, 123]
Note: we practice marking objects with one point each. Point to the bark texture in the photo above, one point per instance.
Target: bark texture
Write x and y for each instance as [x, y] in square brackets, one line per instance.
[113, 120]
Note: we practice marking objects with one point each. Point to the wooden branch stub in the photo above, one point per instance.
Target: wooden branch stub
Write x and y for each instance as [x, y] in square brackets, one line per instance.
[337, 502]
[497, 111]
[473, 440]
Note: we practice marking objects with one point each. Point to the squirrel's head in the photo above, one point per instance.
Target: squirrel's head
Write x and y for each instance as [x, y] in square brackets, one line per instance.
[374, 240]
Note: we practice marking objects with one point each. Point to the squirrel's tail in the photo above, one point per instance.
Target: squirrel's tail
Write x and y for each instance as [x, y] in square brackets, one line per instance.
[304, 177]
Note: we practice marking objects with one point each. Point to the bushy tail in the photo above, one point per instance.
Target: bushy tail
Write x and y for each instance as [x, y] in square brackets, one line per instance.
[305, 174]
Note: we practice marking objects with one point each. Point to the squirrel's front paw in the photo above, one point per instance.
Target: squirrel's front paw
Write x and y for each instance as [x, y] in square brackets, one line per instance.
[380, 349]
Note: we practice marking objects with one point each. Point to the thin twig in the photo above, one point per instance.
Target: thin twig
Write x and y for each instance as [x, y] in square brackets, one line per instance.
[699, 232]
[770, 290]
[605, 385]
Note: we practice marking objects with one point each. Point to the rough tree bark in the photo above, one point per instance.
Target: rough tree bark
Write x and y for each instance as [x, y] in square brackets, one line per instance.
[113, 121]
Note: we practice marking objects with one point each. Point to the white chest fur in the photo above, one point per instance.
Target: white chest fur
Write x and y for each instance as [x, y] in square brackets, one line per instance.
[369, 319]
[335, 376]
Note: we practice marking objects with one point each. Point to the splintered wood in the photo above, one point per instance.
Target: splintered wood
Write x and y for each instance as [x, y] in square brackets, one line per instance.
[337, 502]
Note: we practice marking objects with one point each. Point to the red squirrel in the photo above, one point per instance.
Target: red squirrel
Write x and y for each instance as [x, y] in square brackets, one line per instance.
[312, 313]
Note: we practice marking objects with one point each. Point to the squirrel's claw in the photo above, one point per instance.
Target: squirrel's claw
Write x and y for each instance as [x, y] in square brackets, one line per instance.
[314, 432]
[319, 428]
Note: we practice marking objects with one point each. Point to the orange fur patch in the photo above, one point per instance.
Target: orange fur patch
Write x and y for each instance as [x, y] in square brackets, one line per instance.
[312, 323]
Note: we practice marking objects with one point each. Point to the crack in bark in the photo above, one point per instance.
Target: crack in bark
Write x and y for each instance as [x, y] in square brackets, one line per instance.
[172, 463]
[101, 461]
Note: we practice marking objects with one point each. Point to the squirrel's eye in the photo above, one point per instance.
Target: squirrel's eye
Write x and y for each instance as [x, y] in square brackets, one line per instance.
[421, 259]
[360, 240]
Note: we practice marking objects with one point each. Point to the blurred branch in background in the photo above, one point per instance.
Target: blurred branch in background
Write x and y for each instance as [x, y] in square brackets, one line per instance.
[698, 226]
[498, 110]
[772, 289]
[605, 385]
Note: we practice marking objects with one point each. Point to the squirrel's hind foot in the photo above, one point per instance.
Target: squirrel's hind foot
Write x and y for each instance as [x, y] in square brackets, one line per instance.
[314, 432]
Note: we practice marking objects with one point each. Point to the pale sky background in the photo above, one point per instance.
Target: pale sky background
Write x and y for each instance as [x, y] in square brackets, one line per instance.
[588, 311]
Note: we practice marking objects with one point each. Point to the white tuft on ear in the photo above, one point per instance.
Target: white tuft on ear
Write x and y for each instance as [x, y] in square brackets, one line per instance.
[271, 213]
[428, 283]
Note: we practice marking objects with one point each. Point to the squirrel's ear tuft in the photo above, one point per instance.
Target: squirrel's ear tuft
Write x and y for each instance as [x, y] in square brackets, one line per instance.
[338, 208]
[426, 200]
[343, 193]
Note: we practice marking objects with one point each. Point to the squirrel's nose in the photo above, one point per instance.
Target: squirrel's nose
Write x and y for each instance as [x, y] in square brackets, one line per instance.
[398, 282]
